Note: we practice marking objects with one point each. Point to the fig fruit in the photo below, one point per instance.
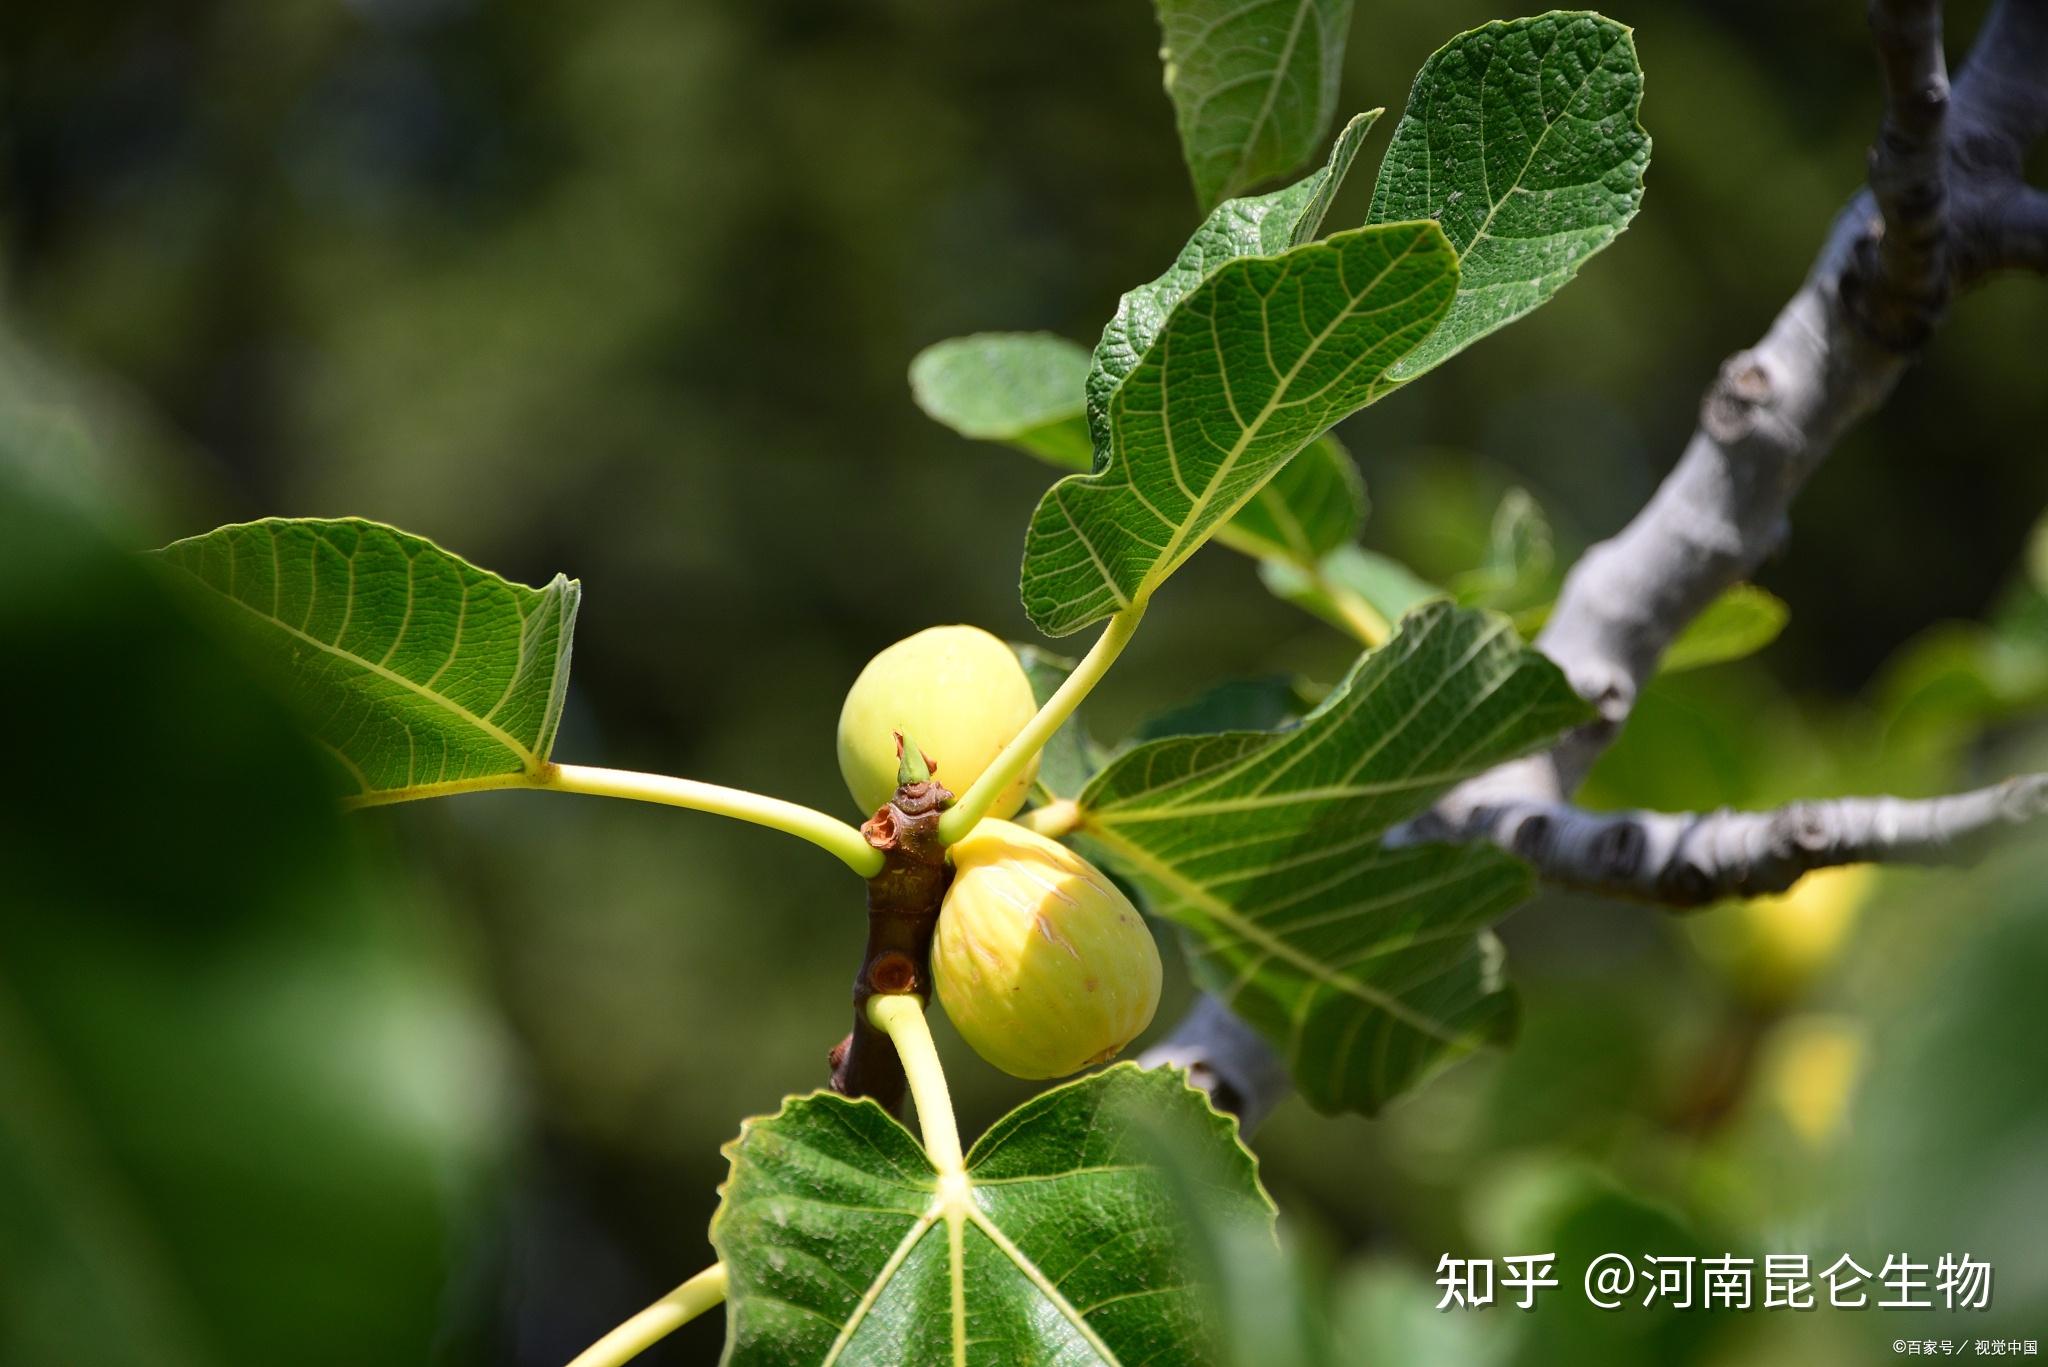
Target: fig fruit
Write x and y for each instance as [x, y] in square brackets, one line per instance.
[1041, 963]
[958, 693]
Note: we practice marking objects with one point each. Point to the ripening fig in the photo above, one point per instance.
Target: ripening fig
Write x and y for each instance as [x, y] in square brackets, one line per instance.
[1042, 965]
[957, 692]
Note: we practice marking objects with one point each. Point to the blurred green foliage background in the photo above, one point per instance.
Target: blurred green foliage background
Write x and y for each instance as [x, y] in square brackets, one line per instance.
[627, 289]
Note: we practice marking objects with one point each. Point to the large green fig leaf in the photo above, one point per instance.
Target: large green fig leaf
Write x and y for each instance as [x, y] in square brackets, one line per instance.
[1064, 1240]
[418, 672]
[1253, 85]
[1260, 359]
[1521, 139]
[1263, 225]
[1364, 964]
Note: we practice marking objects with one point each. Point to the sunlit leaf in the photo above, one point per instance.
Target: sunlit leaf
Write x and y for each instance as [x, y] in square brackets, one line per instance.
[1020, 388]
[1025, 390]
[1262, 225]
[420, 673]
[1740, 622]
[1253, 85]
[1365, 965]
[1263, 356]
[1065, 1242]
[1521, 139]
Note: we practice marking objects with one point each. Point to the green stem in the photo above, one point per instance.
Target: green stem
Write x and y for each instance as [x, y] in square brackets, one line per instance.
[827, 833]
[981, 795]
[1361, 618]
[901, 1018]
[657, 1321]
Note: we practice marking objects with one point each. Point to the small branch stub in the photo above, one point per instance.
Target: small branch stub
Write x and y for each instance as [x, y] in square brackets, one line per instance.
[903, 913]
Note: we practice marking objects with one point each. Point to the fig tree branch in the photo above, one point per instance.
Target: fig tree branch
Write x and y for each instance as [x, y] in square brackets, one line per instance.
[1946, 205]
[1830, 358]
[1688, 859]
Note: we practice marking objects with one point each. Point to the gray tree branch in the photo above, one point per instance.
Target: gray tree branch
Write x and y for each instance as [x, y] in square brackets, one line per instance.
[1688, 859]
[1946, 187]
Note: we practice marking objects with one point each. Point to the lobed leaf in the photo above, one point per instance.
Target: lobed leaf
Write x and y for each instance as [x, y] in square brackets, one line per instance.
[1364, 964]
[418, 672]
[1066, 1243]
[1253, 84]
[1521, 139]
[1263, 225]
[1260, 359]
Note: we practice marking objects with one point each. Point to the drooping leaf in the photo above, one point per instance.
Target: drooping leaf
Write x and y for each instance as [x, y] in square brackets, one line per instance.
[1365, 965]
[1063, 1243]
[1258, 361]
[420, 673]
[1521, 139]
[1262, 225]
[1313, 505]
[1740, 622]
[1020, 388]
[1388, 587]
[1253, 85]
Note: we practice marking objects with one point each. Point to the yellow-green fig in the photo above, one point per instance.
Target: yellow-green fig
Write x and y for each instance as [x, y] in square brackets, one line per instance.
[1042, 965]
[958, 693]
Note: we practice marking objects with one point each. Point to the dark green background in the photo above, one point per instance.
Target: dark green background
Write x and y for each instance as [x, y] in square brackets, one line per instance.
[626, 288]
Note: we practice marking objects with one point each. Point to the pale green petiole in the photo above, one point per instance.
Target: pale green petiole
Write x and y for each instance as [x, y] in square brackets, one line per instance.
[901, 1018]
[973, 804]
[805, 823]
[826, 832]
[657, 1321]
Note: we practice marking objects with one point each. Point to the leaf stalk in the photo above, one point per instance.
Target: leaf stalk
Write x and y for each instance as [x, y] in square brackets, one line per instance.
[657, 1321]
[901, 1018]
[981, 795]
[826, 832]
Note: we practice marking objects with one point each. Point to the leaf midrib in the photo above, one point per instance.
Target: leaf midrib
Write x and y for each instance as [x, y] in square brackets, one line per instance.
[954, 1207]
[1258, 123]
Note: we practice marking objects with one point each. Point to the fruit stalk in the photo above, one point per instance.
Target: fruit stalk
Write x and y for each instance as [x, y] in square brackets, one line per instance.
[903, 914]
